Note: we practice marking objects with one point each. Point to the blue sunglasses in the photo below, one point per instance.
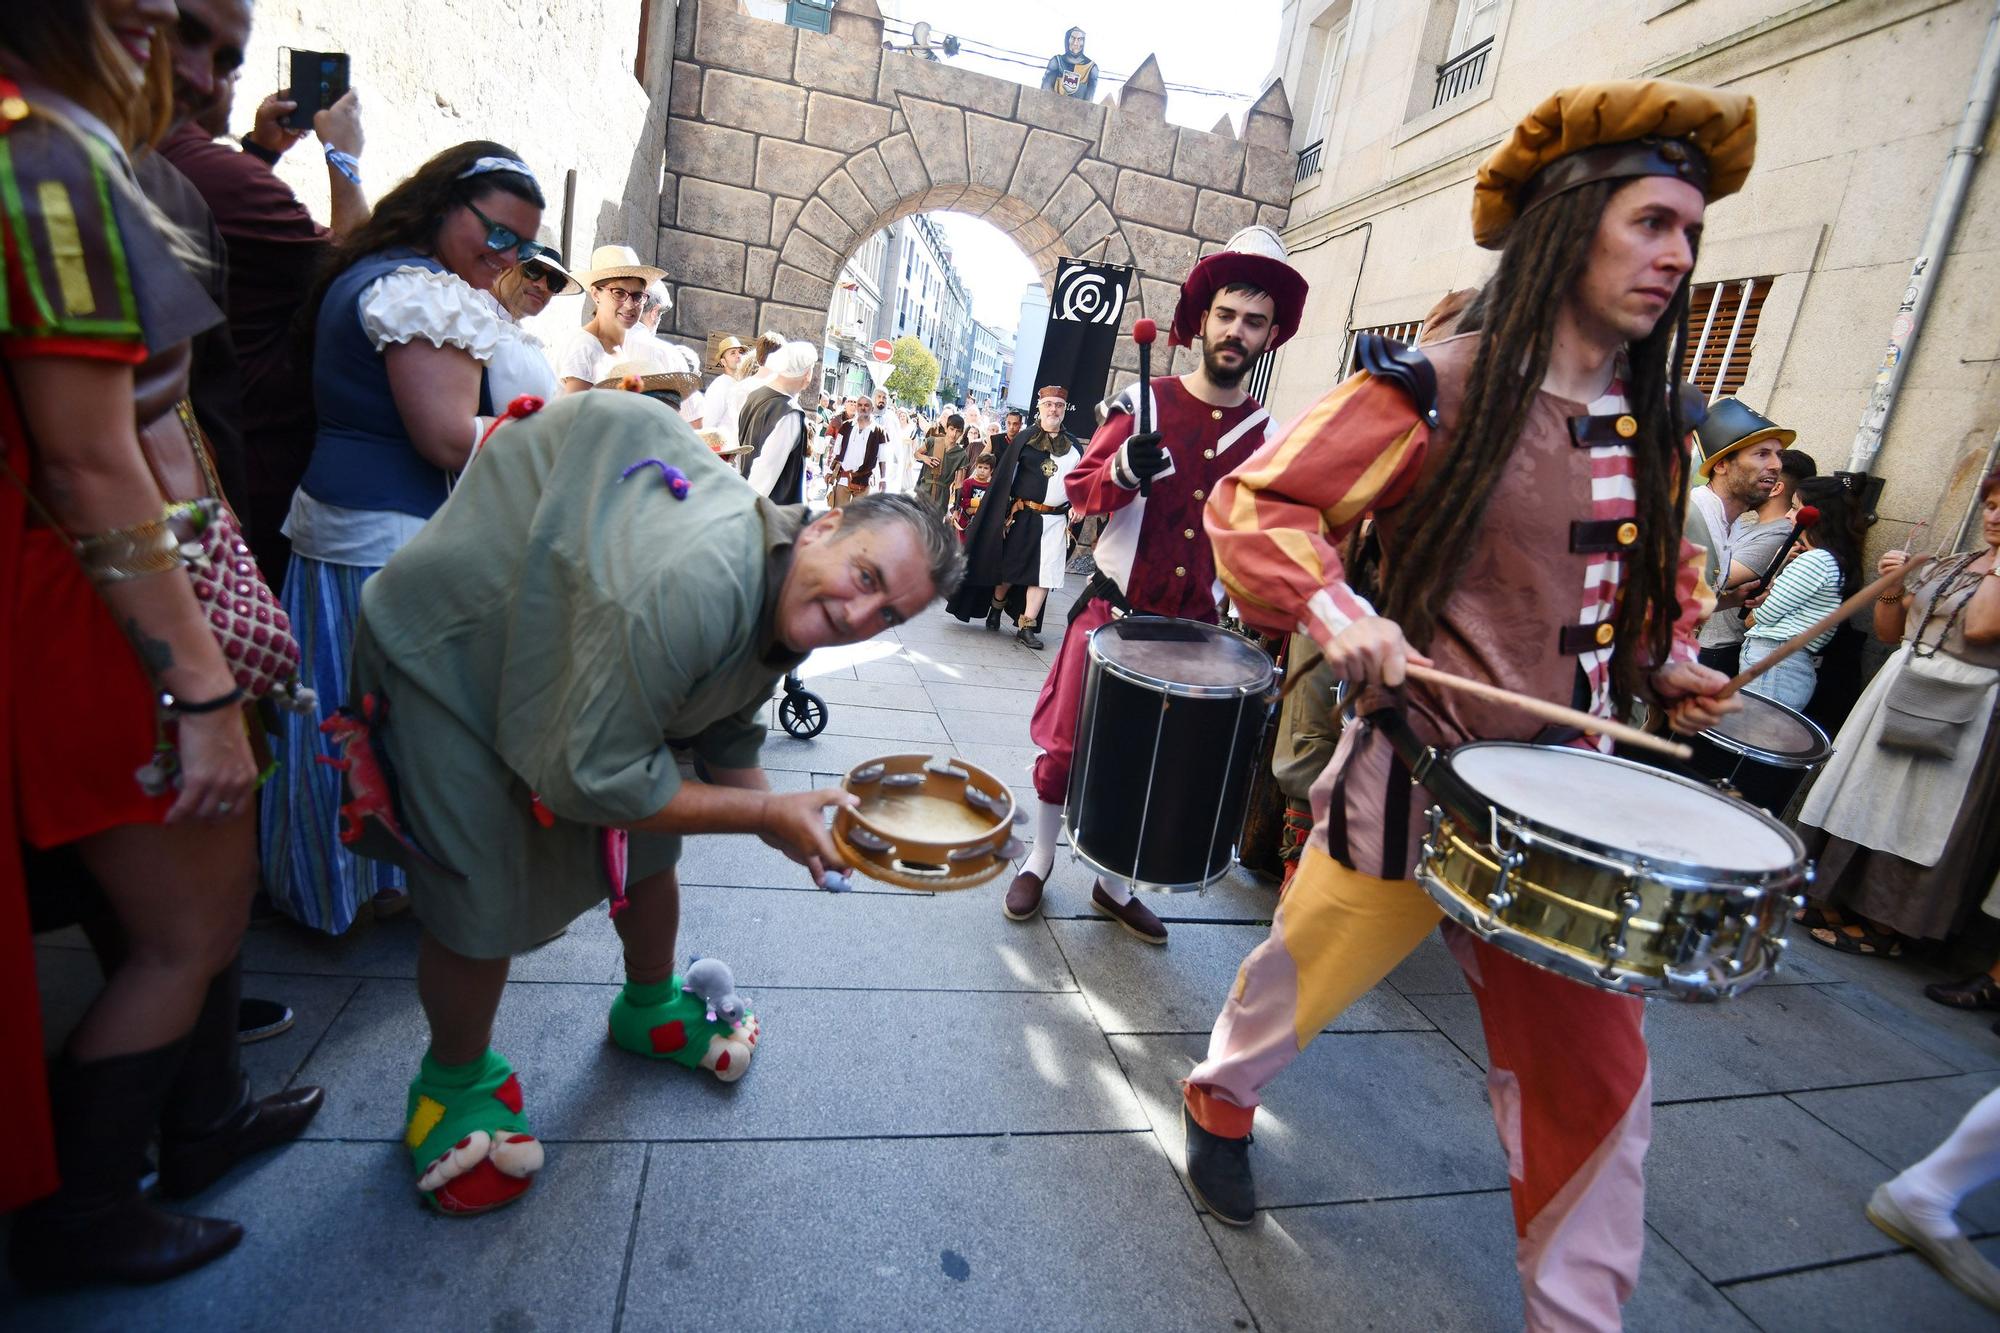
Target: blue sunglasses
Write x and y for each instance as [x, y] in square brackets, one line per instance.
[500, 238]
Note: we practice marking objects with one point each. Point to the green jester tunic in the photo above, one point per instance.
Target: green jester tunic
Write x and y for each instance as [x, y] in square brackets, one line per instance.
[546, 634]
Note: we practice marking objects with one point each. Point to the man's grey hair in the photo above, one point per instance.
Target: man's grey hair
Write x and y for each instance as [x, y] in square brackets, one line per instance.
[942, 553]
[656, 297]
[794, 358]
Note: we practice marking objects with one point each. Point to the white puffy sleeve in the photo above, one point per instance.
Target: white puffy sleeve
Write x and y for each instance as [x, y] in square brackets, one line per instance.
[579, 356]
[442, 309]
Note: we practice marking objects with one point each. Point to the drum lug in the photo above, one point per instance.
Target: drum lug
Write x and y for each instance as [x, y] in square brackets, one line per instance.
[1628, 907]
[1502, 897]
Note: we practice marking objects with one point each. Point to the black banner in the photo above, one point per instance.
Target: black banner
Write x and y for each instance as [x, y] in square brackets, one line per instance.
[1084, 314]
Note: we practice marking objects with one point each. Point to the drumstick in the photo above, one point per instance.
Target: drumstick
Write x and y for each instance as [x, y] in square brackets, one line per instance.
[1822, 625]
[1527, 703]
[1143, 334]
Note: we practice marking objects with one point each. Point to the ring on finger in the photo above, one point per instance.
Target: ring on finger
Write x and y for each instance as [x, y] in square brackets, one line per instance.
[224, 807]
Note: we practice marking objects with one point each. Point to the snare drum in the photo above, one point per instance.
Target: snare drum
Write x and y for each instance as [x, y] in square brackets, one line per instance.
[927, 822]
[1763, 753]
[1609, 872]
[1171, 726]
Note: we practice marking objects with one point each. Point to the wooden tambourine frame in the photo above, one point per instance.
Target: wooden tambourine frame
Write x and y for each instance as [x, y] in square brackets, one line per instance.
[893, 853]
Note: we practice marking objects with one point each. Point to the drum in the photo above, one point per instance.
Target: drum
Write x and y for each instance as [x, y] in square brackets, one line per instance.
[1609, 872]
[927, 822]
[1764, 753]
[1172, 724]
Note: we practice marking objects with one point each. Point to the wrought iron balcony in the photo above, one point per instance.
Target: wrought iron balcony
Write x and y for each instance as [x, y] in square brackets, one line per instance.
[1308, 160]
[1462, 73]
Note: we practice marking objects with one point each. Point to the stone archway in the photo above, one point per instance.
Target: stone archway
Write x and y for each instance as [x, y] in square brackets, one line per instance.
[786, 149]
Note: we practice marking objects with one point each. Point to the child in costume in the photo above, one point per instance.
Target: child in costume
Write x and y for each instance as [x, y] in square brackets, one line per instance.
[970, 492]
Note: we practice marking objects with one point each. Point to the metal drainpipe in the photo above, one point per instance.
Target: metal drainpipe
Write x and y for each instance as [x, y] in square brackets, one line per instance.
[1945, 210]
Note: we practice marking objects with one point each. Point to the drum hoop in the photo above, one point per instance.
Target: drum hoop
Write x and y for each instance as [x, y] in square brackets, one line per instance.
[1735, 745]
[1173, 688]
[1142, 885]
[1661, 869]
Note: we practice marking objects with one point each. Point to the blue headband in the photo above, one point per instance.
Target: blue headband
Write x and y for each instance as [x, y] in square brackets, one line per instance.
[489, 164]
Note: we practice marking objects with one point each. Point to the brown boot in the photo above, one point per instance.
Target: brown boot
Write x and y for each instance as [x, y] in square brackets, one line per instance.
[1024, 897]
[1132, 914]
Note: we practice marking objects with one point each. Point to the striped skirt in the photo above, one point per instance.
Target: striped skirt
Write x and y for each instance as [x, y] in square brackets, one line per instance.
[308, 874]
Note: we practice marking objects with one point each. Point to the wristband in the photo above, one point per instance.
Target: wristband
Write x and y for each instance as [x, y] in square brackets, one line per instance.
[172, 704]
[259, 151]
[347, 164]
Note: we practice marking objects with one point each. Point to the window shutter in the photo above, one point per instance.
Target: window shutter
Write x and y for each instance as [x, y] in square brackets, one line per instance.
[1722, 332]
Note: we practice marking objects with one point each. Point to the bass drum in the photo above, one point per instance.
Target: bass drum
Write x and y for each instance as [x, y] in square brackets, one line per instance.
[1172, 725]
[1763, 753]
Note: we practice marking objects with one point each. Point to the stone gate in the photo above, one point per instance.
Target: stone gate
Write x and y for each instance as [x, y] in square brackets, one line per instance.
[786, 149]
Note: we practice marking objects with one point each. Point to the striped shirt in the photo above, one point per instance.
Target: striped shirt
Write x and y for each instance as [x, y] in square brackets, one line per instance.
[1804, 590]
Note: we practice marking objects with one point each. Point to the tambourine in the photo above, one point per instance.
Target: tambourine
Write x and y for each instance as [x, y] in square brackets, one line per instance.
[927, 822]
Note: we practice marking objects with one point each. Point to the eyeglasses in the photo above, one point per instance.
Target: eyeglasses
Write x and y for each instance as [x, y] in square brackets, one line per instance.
[619, 296]
[533, 271]
[499, 238]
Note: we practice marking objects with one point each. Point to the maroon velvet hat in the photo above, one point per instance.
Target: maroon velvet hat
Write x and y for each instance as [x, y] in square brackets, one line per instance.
[1255, 255]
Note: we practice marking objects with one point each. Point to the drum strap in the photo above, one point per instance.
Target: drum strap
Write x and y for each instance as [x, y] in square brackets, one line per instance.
[1100, 588]
[1396, 817]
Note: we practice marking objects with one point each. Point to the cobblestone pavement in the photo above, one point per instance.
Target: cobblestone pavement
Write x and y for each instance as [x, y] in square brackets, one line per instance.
[960, 1122]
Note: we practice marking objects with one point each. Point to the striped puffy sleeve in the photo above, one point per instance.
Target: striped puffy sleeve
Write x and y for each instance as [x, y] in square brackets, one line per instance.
[1277, 522]
[69, 287]
[1697, 602]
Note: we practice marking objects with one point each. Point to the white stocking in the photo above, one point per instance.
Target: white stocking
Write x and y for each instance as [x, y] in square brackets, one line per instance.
[1969, 1157]
[1115, 889]
[1042, 856]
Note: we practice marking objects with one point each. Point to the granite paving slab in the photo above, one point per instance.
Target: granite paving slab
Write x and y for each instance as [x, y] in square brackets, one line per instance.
[1439, 1263]
[870, 693]
[1901, 1122]
[829, 753]
[948, 699]
[1137, 987]
[1897, 1291]
[888, 671]
[880, 723]
[886, 941]
[1083, 1232]
[1962, 1039]
[385, 948]
[832, 1064]
[335, 1237]
[1025, 678]
[1775, 1039]
[968, 727]
[1752, 1186]
[1238, 898]
[975, 647]
[1356, 1116]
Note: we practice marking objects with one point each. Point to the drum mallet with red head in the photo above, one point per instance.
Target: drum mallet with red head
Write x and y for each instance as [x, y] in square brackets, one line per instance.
[1143, 334]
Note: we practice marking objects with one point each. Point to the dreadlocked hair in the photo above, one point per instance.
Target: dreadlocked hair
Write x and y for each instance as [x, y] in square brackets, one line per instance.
[1545, 257]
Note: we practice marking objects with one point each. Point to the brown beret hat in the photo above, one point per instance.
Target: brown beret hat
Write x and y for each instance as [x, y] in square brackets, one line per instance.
[1636, 127]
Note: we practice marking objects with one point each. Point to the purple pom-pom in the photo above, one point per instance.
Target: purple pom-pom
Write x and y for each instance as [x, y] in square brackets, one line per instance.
[677, 481]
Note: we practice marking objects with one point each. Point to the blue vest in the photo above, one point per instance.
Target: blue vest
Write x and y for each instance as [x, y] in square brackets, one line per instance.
[362, 456]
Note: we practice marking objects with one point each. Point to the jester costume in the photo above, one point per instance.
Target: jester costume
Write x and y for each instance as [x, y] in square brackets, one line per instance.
[1568, 1071]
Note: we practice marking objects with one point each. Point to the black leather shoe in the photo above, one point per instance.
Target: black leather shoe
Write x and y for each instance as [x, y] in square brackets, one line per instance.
[1219, 1170]
[131, 1242]
[190, 1165]
[1027, 637]
[993, 617]
[258, 1020]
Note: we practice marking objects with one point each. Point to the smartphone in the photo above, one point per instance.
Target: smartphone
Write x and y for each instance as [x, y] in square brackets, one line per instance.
[319, 79]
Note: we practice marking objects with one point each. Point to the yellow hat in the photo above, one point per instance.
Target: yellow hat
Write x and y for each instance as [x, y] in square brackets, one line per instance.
[1613, 131]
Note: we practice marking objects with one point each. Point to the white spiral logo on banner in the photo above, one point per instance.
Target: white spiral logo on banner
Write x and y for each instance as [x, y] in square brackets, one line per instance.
[1089, 296]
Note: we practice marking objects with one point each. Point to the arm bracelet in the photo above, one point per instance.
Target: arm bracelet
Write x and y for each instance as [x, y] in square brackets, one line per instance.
[135, 552]
[345, 163]
[171, 703]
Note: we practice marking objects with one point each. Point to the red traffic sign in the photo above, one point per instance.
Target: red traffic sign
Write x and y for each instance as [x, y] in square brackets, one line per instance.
[883, 350]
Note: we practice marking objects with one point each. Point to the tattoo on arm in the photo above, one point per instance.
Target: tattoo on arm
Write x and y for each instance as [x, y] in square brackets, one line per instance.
[157, 654]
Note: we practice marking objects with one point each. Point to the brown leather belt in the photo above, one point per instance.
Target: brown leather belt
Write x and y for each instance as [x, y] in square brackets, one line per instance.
[1039, 507]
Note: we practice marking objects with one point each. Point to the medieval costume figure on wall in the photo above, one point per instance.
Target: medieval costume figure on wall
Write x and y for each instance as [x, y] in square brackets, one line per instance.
[1071, 74]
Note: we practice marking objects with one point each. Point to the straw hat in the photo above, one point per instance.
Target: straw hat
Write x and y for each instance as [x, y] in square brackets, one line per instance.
[617, 261]
[552, 261]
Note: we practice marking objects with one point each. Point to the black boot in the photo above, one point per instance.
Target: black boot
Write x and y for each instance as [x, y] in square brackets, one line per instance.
[1219, 1170]
[211, 1122]
[993, 616]
[97, 1227]
[1026, 636]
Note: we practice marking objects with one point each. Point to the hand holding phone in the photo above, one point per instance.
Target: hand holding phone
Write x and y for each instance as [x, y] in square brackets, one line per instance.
[319, 78]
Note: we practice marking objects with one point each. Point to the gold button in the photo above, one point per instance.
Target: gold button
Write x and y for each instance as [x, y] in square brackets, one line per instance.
[1216, 414]
[1208, 453]
[1626, 427]
[1200, 494]
[13, 108]
[1188, 533]
[1628, 533]
[1180, 571]
[1605, 632]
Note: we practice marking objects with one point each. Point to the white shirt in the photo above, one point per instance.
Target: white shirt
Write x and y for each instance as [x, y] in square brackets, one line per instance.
[775, 450]
[579, 356]
[852, 456]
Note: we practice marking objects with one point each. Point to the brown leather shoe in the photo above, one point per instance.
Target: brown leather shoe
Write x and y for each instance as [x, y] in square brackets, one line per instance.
[1134, 915]
[1024, 897]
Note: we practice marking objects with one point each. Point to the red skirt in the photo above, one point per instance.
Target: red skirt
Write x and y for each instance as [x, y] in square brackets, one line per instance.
[84, 719]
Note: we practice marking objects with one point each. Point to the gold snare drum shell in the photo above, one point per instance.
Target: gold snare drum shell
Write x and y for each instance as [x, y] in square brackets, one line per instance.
[929, 822]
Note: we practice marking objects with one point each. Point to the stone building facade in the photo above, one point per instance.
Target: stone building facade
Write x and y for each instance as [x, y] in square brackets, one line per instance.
[1857, 104]
[786, 149]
